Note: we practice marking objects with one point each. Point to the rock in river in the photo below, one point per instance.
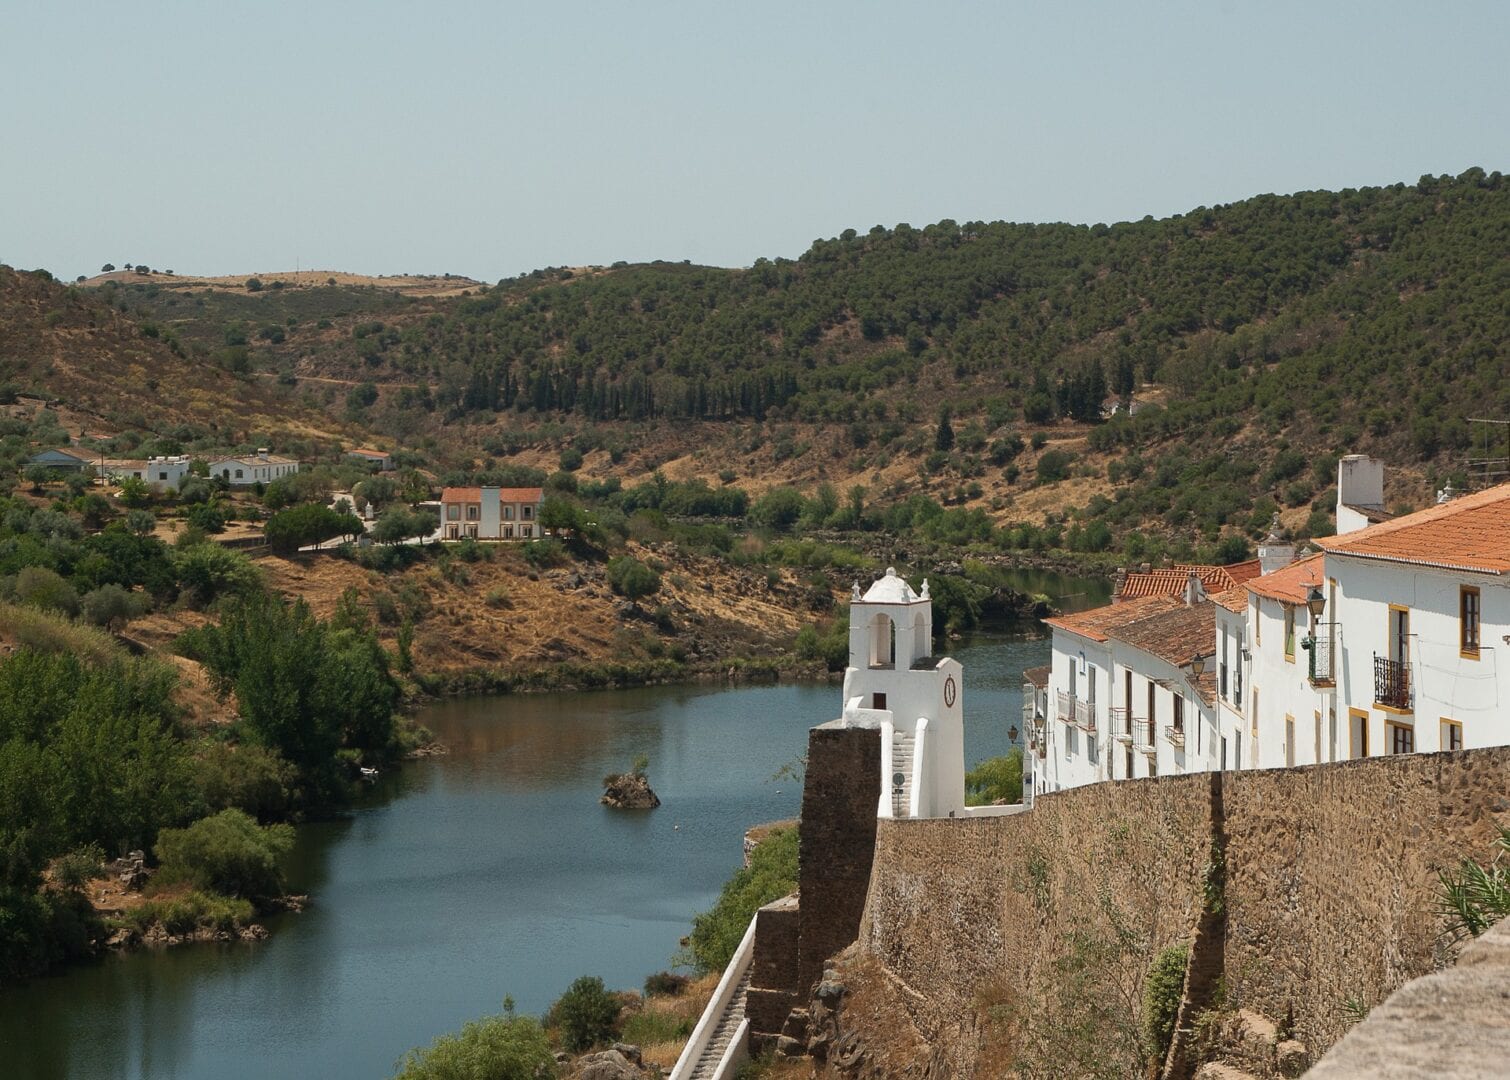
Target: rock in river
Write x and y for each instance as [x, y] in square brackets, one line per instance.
[629, 791]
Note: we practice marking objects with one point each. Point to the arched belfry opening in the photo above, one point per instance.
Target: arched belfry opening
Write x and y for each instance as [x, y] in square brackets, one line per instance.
[883, 641]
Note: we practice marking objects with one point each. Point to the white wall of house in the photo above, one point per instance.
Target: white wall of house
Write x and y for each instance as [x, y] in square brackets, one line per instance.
[1079, 687]
[1155, 751]
[1289, 717]
[1444, 683]
[1232, 716]
[249, 470]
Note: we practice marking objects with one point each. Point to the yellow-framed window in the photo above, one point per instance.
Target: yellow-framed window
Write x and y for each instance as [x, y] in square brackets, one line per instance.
[1400, 738]
[1452, 734]
[1469, 608]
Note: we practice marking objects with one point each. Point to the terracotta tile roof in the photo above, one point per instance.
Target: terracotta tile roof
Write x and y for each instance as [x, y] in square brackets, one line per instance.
[1096, 623]
[1170, 581]
[1289, 584]
[1233, 599]
[1175, 635]
[1038, 676]
[1472, 532]
[505, 495]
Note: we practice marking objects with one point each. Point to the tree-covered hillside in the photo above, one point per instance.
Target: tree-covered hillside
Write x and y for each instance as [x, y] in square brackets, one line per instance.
[1382, 308]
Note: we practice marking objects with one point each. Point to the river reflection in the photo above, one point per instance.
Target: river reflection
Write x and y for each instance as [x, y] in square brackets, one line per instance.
[460, 879]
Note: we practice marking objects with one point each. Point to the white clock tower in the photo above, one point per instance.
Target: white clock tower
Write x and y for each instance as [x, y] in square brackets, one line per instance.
[895, 683]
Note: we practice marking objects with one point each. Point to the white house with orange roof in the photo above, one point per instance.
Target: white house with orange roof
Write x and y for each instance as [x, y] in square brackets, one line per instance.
[490, 513]
[1420, 609]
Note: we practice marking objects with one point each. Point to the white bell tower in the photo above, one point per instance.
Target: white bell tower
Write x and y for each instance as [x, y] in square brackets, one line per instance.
[894, 682]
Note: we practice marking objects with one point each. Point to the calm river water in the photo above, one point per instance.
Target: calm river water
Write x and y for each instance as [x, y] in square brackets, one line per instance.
[489, 871]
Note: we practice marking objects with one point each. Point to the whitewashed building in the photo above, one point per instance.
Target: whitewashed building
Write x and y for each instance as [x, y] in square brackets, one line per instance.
[1420, 610]
[1385, 642]
[158, 473]
[245, 470]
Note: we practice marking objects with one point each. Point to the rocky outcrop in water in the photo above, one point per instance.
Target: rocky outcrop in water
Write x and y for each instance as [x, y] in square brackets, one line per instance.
[629, 791]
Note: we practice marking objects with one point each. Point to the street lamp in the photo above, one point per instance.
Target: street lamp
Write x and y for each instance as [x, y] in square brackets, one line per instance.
[1198, 665]
[1315, 602]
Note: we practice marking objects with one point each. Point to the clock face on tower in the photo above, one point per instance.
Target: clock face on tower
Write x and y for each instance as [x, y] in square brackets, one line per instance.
[950, 692]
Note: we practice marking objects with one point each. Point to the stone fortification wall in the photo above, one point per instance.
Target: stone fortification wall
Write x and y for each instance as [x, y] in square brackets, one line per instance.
[1004, 929]
[1332, 889]
[1027, 939]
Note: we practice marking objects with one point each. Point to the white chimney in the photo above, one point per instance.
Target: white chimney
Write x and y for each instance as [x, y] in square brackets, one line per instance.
[1274, 554]
[1360, 487]
[262, 453]
[1194, 593]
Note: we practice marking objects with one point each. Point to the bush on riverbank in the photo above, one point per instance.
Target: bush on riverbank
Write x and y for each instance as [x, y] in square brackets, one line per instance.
[995, 780]
[585, 1015]
[505, 1047]
[226, 853]
[772, 874]
[186, 914]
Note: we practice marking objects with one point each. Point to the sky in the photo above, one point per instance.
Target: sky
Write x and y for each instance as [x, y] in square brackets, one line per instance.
[488, 139]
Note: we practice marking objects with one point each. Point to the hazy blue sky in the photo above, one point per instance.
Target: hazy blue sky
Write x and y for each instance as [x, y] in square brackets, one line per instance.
[491, 138]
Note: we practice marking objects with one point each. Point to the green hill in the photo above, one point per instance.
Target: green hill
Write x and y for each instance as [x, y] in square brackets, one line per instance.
[1262, 336]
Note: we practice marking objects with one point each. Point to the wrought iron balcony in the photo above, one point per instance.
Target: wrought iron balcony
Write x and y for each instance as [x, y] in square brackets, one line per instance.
[1175, 735]
[1142, 736]
[1320, 649]
[1121, 723]
[1391, 682]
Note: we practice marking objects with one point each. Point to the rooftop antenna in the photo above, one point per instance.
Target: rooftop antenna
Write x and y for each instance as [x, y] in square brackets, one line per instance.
[1492, 465]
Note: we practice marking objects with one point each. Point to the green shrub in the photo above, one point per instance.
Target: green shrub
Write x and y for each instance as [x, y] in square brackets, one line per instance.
[666, 984]
[649, 1028]
[631, 578]
[1162, 991]
[1476, 897]
[308, 523]
[79, 867]
[208, 571]
[246, 777]
[772, 874]
[585, 1014]
[112, 606]
[227, 853]
[506, 1047]
[193, 911]
[994, 780]
[544, 553]
[498, 597]
[46, 589]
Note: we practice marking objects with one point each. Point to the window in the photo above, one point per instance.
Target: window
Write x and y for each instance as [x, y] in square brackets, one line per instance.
[1358, 723]
[1452, 734]
[1402, 738]
[1254, 714]
[878, 701]
[472, 511]
[1289, 741]
[508, 532]
[238, 474]
[1289, 632]
[527, 531]
[451, 532]
[1317, 758]
[1153, 712]
[453, 512]
[1224, 753]
[508, 513]
[1468, 621]
[1179, 712]
[1127, 761]
[1399, 634]
[162, 476]
[1090, 749]
[527, 513]
[1258, 622]
[1222, 683]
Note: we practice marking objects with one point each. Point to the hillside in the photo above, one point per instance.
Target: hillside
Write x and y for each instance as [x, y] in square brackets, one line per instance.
[102, 371]
[1257, 340]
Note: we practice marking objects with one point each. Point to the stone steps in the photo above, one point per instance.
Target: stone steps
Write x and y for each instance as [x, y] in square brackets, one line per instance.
[707, 1065]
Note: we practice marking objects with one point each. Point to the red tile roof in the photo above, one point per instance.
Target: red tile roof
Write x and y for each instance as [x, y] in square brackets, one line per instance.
[1038, 676]
[1233, 599]
[1096, 623]
[505, 495]
[1289, 584]
[1175, 636]
[1171, 581]
[1472, 532]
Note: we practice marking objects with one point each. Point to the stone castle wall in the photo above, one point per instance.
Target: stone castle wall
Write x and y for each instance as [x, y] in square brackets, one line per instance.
[1315, 890]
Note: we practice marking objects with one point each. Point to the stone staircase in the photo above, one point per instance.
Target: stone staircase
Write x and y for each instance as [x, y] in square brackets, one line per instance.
[902, 744]
[728, 1024]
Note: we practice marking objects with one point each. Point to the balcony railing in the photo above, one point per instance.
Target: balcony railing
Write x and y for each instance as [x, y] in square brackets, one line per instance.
[1085, 715]
[1391, 682]
[1121, 723]
[1175, 735]
[1066, 707]
[1321, 658]
[1142, 736]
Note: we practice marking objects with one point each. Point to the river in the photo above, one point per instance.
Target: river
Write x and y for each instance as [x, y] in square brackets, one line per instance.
[490, 871]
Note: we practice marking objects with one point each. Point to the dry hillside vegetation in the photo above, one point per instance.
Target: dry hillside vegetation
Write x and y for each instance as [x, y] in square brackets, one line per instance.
[405, 284]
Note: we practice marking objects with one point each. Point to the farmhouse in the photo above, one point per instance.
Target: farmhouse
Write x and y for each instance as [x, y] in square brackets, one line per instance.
[490, 513]
[246, 470]
[159, 473]
[66, 459]
[378, 460]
